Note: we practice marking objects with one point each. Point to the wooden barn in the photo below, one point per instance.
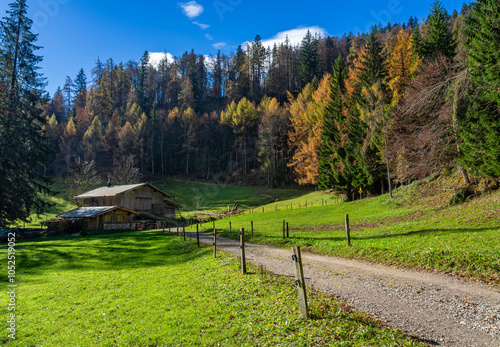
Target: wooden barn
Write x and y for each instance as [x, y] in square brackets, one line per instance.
[143, 198]
[101, 217]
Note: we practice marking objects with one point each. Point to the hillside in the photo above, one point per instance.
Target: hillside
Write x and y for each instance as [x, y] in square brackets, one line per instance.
[416, 229]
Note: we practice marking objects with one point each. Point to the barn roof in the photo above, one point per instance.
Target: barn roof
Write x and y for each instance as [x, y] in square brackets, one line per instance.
[118, 190]
[88, 212]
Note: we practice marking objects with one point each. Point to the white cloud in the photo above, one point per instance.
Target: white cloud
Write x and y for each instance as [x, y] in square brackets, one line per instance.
[156, 58]
[295, 36]
[192, 9]
[209, 37]
[219, 45]
[202, 26]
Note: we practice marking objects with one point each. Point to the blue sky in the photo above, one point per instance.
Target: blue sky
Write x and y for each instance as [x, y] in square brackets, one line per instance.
[74, 33]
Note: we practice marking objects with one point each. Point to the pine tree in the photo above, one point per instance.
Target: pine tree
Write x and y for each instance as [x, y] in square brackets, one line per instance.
[22, 118]
[480, 128]
[439, 38]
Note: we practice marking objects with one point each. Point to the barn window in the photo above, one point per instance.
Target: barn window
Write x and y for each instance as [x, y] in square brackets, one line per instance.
[120, 218]
[108, 218]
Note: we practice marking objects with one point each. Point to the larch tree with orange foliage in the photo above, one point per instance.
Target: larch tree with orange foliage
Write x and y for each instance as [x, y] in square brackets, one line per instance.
[401, 65]
[307, 117]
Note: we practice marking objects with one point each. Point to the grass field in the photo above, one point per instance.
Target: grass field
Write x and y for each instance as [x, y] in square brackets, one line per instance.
[412, 230]
[197, 196]
[153, 289]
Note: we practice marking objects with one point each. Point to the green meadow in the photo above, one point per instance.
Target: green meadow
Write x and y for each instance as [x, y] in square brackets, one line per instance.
[154, 289]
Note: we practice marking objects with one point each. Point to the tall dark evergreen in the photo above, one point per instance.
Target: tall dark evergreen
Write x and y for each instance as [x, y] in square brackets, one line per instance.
[308, 58]
[480, 129]
[80, 81]
[22, 149]
[140, 89]
[416, 44]
[374, 68]
[330, 173]
[439, 37]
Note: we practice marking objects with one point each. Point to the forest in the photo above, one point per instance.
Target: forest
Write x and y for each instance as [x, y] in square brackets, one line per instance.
[360, 112]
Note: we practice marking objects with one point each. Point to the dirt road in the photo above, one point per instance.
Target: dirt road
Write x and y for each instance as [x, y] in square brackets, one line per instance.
[439, 309]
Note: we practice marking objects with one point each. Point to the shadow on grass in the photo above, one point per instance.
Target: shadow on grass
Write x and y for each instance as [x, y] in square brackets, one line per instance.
[356, 236]
[132, 249]
[426, 232]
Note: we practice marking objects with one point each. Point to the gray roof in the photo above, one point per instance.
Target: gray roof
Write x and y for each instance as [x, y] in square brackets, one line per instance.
[87, 212]
[117, 190]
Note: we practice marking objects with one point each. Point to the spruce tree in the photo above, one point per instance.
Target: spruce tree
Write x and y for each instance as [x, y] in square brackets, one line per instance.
[341, 163]
[308, 58]
[374, 67]
[439, 38]
[416, 44]
[480, 128]
[22, 149]
[331, 153]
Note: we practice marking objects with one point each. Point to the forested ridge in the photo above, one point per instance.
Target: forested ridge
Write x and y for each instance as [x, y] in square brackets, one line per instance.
[347, 113]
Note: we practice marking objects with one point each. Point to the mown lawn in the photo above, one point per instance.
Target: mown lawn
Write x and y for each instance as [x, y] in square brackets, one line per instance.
[407, 231]
[153, 289]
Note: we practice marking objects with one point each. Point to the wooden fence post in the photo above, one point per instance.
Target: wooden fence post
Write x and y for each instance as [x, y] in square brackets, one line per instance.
[262, 209]
[287, 231]
[347, 230]
[242, 246]
[251, 223]
[284, 225]
[184, 232]
[230, 228]
[215, 243]
[198, 234]
[299, 281]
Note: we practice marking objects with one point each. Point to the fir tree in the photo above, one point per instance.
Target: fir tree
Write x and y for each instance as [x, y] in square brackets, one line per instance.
[331, 154]
[480, 128]
[308, 58]
[374, 67]
[416, 44]
[439, 38]
[22, 118]
[341, 163]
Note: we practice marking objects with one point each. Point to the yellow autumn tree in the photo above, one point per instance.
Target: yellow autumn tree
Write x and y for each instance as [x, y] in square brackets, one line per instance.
[401, 65]
[307, 114]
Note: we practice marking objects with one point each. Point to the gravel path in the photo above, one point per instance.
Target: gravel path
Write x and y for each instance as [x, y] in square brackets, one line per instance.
[439, 309]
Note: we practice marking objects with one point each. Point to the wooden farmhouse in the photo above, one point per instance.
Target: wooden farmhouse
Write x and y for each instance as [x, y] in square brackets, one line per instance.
[143, 198]
[101, 217]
